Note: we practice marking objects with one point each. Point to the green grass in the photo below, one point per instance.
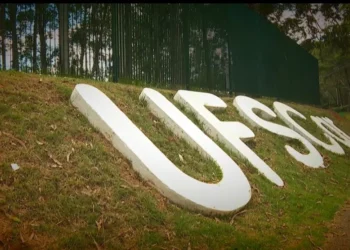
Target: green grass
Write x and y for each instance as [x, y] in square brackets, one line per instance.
[63, 206]
[346, 115]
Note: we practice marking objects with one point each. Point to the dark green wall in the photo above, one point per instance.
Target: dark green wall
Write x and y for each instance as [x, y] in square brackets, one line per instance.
[266, 62]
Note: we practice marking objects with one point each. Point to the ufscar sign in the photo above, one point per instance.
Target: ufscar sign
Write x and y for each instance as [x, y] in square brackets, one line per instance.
[233, 191]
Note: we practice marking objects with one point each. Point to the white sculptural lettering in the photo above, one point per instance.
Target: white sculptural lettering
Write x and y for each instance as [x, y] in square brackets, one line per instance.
[233, 191]
[246, 107]
[229, 133]
[328, 127]
[285, 113]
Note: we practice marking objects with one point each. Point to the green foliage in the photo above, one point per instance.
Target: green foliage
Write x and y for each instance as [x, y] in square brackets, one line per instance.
[154, 42]
[327, 40]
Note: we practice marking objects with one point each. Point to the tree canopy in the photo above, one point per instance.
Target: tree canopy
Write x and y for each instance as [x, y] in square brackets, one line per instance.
[324, 31]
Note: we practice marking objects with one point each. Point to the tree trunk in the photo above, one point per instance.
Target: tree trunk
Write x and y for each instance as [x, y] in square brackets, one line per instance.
[114, 71]
[13, 19]
[83, 41]
[41, 25]
[102, 31]
[96, 46]
[35, 64]
[98, 33]
[3, 33]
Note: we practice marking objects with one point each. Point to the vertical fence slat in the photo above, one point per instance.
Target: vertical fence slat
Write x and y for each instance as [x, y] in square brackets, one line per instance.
[170, 45]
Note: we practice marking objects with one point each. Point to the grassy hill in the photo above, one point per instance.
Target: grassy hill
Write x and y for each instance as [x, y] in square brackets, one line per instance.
[75, 191]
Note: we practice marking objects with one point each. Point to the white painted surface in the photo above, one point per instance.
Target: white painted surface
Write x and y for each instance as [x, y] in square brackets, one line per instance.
[231, 193]
[286, 112]
[329, 128]
[229, 133]
[247, 108]
[335, 128]
[14, 166]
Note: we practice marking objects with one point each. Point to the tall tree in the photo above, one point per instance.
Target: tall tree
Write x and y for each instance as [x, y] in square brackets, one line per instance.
[99, 30]
[329, 42]
[302, 22]
[3, 34]
[13, 19]
[82, 38]
[25, 19]
[42, 21]
[96, 20]
[35, 33]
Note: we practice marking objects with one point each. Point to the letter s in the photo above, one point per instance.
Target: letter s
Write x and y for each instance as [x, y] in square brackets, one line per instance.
[328, 127]
[247, 106]
[285, 113]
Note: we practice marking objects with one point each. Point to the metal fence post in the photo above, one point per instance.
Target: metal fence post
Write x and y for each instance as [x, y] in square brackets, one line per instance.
[63, 38]
[185, 48]
[115, 42]
[229, 54]
[2, 33]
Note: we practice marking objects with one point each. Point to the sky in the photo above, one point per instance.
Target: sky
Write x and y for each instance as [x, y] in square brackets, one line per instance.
[319, 17]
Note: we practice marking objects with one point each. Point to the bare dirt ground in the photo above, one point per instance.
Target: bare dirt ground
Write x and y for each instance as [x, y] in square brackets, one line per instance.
[339, 234]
